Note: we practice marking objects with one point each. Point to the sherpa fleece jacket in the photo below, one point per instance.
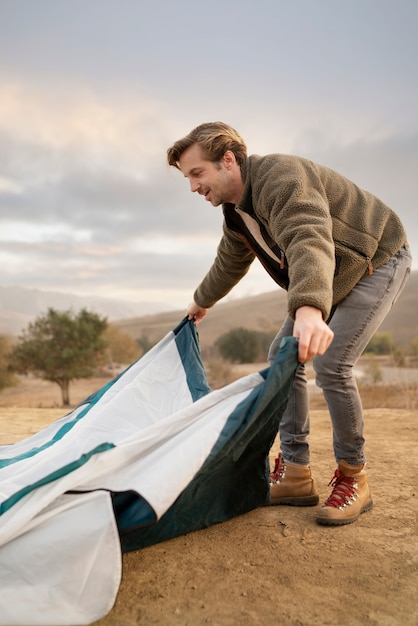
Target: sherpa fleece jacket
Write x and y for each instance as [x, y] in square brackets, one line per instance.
[329, 232]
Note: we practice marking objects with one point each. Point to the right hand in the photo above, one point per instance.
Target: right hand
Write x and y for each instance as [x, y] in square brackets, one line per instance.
[196, 312]
[313, 334]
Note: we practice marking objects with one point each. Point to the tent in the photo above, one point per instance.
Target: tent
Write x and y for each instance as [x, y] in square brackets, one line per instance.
[152, 455]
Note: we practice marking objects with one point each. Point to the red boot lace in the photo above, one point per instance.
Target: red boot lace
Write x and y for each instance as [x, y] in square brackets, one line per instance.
[278, 470]
[344, 490]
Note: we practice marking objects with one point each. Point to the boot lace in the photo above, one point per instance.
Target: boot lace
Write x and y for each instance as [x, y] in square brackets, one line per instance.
[344, 490]
[278, 471]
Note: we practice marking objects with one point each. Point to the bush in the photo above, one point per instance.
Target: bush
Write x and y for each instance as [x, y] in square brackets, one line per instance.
[7, 378]
[381, 343]
[241, 345]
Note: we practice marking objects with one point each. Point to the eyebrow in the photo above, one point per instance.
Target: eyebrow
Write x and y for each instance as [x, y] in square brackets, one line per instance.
[193, 171]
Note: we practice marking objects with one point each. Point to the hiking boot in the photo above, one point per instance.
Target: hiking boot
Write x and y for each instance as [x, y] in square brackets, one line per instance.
[292, 484]
[349, 498]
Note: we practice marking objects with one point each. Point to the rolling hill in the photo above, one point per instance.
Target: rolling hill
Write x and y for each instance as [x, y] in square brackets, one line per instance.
[265, 312]
[19, 306]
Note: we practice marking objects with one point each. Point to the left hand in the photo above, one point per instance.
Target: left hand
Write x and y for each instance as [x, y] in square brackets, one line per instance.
[196, 312]
[314, 335]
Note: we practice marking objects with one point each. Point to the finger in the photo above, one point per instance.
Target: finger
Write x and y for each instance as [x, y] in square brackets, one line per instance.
[325, 342]
[198, 318]
[303, 351]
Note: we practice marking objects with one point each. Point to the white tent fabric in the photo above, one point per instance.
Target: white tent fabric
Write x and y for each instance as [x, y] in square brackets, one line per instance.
[60, 538]
[66, 567]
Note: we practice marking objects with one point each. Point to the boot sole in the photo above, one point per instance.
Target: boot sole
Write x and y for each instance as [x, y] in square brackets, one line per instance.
[293, 501]
[327, 521]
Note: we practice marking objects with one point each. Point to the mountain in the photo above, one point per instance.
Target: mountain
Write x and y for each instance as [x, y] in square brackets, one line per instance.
[266, 312]
[19, 306]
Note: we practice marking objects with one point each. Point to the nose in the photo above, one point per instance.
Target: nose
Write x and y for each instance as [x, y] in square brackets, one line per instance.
[194, 186]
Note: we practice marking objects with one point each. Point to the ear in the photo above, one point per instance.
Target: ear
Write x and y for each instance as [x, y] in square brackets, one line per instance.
[229, 159]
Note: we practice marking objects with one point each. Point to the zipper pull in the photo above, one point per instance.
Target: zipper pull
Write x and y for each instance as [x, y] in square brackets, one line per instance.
[281, 259]
[369, 265]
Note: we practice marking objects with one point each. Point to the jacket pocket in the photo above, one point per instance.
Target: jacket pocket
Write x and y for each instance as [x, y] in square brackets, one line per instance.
[347, 258]
[350, 267]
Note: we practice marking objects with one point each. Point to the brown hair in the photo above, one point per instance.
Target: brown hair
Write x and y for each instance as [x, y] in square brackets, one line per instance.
[214, 138]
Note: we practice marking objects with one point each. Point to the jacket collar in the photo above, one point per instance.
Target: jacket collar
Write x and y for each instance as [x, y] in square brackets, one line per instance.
[246, 201]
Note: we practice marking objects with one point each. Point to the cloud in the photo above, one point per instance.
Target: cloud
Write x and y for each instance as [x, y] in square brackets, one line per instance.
[88, 204]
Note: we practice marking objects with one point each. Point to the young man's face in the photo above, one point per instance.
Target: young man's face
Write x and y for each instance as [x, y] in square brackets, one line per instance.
[217, 182]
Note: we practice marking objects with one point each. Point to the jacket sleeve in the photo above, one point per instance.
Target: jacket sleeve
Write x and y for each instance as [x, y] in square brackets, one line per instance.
[232, 262]
[292, 199]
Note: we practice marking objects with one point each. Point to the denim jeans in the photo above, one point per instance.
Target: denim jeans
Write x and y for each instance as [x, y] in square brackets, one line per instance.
[354, 322]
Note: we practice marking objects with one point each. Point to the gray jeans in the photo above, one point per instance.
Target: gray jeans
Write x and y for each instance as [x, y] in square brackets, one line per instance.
[354, 322]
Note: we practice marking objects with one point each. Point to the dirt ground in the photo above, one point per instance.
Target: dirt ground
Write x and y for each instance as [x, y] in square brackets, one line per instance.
[274, 565]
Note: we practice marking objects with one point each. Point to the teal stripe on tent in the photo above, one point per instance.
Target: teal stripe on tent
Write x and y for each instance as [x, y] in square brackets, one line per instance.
[188, 347]
[56, 437]
[235, 477]
[55, 475]
[89, 402]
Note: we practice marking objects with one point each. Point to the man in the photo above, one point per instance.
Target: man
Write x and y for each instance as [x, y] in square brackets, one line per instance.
[343, 257]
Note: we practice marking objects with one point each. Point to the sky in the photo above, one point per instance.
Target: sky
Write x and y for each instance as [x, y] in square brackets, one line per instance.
[93, 92]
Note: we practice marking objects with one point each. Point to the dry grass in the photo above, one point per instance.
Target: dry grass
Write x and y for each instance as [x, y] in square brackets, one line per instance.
[379, 397]
[377, 391]
[374, 389]
[404, 396]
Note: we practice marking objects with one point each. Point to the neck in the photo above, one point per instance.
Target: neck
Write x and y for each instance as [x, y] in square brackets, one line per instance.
[238, 188]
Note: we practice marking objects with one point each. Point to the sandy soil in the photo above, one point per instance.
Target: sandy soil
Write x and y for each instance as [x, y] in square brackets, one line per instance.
[275, 565]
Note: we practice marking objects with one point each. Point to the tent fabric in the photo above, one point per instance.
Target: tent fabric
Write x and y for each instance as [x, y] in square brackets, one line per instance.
[152, 455]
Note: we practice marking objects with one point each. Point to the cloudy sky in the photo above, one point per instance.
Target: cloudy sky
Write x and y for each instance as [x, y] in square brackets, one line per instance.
[92, 93]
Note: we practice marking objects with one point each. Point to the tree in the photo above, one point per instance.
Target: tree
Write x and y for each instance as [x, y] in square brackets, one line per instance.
[239, 345]
[61, 347]
[121, 348]
[7, 379]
